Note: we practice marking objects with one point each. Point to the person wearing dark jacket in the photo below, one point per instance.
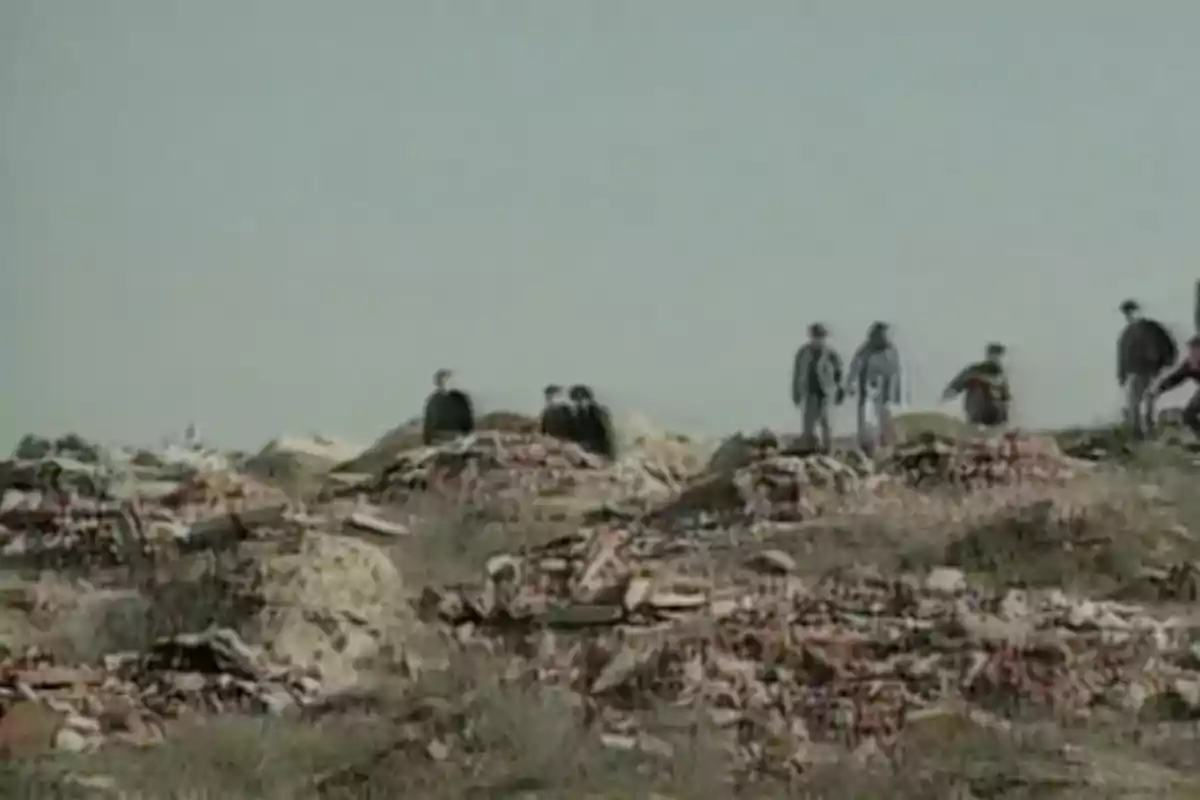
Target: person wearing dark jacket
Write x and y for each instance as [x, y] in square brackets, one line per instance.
[448, 411]
[1188, 370]
[592, 424]
[985, 389]
[558, 416]
[1144, 349]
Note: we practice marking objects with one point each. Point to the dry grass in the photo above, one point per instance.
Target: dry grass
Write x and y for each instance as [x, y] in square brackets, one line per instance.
[1095, 535]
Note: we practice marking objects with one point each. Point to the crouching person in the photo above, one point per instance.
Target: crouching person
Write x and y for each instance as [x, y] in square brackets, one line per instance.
[985, 390]
[1188, 370]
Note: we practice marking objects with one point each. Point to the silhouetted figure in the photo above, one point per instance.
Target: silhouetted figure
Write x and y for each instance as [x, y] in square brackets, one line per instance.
[817, 386]
[591, 424]
[985, 389]
[448, 411]
[558, 416]
[1144, 349]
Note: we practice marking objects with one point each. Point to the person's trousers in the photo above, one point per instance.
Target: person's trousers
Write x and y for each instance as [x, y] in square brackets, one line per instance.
[873, 435]
[1139, 404]
[815, 419]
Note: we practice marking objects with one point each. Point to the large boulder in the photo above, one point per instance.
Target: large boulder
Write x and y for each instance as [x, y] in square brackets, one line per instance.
[319, 601]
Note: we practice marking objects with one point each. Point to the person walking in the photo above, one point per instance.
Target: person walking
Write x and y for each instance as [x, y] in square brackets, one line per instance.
[817, 386]
[874, 380]
[1144, 350]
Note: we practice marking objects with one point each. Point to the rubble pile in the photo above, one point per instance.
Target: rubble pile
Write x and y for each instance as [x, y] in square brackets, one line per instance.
[779, 488]
[131, 697]
[215, 493]
[976, 462]
[65, 530]
[498, 466]
[661, 594]
[789, 670]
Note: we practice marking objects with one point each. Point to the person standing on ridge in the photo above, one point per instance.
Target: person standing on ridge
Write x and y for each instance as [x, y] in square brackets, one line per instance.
[1144, 350]
[874, 378]
[558, 416]
[591, 424]
[1188, 370]
[984, 384]
[448, 411]
[816, 385]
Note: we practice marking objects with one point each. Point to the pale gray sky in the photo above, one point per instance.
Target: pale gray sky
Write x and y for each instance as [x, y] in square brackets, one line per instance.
[278, 215]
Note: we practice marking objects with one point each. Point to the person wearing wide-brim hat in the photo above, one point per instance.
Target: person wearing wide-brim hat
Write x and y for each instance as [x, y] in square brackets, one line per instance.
[817, 385]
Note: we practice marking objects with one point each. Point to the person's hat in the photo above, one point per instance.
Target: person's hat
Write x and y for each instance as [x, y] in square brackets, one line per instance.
[995, 349]
[1130, 305]
[552, 389]
[817, 330]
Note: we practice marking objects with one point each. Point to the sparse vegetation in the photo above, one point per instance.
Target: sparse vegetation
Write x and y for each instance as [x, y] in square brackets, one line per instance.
[466, 723]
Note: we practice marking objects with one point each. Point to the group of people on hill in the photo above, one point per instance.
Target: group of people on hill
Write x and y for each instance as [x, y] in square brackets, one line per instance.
[819, 383]
[1146, 368]
[573, 415]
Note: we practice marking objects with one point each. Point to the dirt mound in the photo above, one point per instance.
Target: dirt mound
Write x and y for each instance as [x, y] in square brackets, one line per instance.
[403, 438]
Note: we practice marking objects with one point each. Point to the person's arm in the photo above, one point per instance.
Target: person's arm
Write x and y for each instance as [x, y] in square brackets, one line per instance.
[958, 383]
[1122, 366]
[1172, 379]
[427, 427]
[468, 413]
[854, 370]
[839, 377]
[894, 368]
[799, 369]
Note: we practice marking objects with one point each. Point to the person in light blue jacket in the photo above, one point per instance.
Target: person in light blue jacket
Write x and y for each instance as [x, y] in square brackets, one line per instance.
[874, 378]
[817, 386]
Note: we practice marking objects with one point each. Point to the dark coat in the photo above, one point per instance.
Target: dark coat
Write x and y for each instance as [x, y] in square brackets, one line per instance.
[1145, 348]
[592, 429]
[986, 393]
[448, 414]
[558, 420]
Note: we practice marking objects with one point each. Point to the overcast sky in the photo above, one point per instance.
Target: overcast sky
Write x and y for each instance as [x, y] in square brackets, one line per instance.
[284, 215]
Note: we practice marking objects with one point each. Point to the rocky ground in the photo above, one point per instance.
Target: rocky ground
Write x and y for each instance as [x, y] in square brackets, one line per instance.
[508, 616]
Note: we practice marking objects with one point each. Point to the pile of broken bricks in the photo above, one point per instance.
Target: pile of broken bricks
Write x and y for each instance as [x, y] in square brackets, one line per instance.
[984, 461]
[131, 698]
[495, 467]
[793, 672]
